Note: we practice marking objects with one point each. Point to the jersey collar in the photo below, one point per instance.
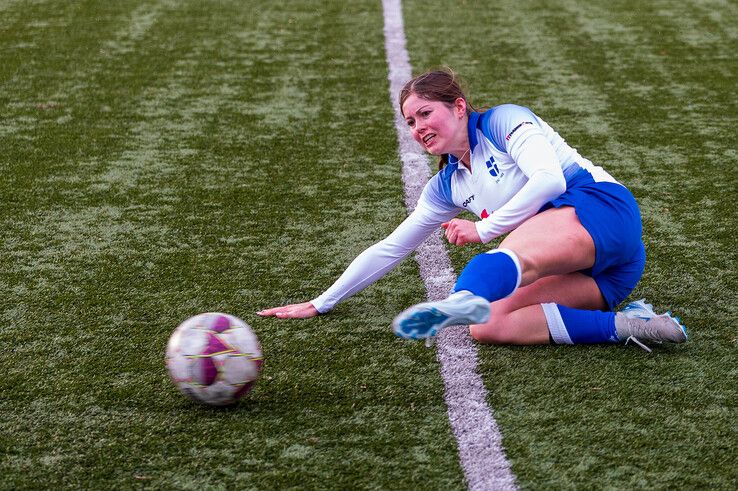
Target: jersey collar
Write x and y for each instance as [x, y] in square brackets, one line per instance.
[471, 129]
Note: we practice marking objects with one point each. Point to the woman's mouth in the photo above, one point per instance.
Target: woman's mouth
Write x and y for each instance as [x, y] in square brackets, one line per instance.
[427, 139]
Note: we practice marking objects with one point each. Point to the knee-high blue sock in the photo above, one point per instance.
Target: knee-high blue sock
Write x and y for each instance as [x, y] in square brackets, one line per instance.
[574, 326]
[492, 275]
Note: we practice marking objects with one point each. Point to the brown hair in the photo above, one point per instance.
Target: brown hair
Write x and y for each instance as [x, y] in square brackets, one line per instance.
[436, 85]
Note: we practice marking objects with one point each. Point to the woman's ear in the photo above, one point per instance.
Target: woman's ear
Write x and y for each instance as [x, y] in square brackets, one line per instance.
[460, 106]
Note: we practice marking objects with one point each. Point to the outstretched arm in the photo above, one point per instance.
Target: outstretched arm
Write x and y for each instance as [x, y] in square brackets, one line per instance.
[370, 265]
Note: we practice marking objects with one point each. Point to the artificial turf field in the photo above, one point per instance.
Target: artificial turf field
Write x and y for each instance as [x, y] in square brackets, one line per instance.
[165, 158]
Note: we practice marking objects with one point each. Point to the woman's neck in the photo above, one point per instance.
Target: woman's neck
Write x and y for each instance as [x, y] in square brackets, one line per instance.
[465, 158]
[463, 152]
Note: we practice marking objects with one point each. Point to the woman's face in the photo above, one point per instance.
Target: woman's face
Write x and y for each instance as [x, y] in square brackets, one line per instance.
[436, 126]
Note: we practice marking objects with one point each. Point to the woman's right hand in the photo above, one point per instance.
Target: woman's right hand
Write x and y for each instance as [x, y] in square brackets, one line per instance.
[292, 311]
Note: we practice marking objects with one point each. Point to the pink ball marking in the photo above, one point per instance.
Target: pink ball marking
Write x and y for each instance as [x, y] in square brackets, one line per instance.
[208, 366]
[221, 323]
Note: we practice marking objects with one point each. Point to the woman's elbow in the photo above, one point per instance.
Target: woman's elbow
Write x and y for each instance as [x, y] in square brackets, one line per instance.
[554, 184]
[559, 185]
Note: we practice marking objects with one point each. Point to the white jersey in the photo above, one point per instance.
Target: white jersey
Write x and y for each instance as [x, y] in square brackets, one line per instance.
[518, 163]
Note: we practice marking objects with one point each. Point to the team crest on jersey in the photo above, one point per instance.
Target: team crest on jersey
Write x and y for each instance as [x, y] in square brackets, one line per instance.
[494, 171]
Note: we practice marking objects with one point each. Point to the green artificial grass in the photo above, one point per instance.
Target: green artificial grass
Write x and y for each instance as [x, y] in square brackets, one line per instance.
[163, 158]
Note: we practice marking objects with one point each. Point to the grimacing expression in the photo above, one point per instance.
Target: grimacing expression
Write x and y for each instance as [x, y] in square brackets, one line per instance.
[435, 125]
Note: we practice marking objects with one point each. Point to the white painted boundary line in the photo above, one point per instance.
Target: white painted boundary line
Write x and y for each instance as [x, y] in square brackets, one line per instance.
[480, 442]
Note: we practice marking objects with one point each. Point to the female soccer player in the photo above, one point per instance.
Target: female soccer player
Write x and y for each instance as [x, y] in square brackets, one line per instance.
[573, 251]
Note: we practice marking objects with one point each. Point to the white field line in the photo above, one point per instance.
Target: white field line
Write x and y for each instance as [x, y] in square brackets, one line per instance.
[479, 439]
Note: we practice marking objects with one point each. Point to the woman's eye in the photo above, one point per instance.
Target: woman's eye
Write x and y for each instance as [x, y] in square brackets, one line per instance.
[425, 114]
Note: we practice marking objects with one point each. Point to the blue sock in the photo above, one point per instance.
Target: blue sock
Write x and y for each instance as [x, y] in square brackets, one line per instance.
[492, 275]
[574, 326]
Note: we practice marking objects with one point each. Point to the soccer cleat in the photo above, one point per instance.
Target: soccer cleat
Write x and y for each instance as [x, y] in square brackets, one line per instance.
[643, 324]
[425, 320]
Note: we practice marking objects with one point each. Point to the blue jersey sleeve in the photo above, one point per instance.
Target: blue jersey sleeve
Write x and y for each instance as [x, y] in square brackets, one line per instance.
[500, 123]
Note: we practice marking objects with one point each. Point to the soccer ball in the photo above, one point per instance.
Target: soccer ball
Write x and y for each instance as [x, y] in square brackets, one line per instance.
[214, 358]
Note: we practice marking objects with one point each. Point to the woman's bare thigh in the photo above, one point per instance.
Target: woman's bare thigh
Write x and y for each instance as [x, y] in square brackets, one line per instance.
[550, 243]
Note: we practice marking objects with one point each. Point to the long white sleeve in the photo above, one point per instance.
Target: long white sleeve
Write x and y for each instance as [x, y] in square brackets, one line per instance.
[537, 159]
[379, 259]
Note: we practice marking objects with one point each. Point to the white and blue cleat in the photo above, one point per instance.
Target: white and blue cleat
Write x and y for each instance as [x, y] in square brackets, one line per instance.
[425, 320]
[654, 327]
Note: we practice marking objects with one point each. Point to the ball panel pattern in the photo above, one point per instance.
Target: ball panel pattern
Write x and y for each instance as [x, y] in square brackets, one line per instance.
[214, 358]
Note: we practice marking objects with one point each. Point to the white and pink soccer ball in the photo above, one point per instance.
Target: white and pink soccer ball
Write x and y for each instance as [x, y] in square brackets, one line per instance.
[214, 358]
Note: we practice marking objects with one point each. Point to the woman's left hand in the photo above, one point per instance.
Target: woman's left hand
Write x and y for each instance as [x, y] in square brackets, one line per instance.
[460, 232]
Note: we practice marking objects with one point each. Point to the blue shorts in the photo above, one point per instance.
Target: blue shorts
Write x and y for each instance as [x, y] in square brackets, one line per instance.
[609, 212]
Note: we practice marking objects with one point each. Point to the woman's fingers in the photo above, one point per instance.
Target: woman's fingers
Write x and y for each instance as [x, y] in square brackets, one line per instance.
[452, 231]
[292, 311]
[269, 312]
[461, 232]
[275, 312]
